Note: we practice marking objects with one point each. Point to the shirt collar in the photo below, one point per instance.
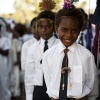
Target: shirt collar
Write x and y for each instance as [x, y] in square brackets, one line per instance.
[70, 48]
[50, 40]
[83, 31]
[35, 39]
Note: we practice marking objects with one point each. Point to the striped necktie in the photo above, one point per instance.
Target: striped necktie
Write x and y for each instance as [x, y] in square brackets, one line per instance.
[64, 78]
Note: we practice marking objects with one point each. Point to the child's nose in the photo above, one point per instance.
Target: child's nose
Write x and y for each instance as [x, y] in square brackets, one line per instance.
[43, 28]
[69, 33]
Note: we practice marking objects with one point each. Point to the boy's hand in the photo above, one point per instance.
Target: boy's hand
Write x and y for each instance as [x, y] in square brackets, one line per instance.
[67, 69]
[52, 99]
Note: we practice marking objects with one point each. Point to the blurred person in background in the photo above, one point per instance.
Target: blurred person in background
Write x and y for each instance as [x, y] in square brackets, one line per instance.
[28, 35]
[27, 44]
[86, 36]
[10, 33]
[21, 29]
[34, 81]
[16, 49]
[5, 46]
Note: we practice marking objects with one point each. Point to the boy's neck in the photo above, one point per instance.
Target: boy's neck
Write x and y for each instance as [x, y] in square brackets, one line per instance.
[46, 39]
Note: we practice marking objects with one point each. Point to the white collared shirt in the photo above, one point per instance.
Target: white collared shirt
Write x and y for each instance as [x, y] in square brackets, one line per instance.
[24, 51]
[83, 75]
[33, 71]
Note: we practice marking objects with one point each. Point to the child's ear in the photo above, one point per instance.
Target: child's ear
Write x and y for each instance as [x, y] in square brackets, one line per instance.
[56, 28]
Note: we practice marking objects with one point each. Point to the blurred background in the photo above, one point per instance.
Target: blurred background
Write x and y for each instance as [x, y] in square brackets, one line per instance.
[15, 18]
[24, 10]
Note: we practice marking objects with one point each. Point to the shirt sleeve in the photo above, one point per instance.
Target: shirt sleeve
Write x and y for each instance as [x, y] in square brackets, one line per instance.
[24, 56]
[94, 93]
[92, 79]
[5, 44]
[46, 70]
[29, 75]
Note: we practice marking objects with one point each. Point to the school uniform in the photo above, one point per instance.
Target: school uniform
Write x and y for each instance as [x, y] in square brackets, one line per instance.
[24, 51]
[83, 76]
[33, 71]
[5, 94]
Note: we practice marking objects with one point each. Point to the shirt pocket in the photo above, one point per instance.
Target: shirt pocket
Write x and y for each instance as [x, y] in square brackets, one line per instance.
[77, 73]
[37, 63]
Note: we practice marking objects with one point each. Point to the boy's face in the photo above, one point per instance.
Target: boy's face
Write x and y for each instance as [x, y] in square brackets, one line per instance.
[68, 30]
[45, 29]
[35, 31]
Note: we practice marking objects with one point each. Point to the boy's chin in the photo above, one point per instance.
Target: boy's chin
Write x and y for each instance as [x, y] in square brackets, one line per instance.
[67, 45]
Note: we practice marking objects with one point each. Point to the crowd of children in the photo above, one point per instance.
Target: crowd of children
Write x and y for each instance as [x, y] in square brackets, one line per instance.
[51, 61]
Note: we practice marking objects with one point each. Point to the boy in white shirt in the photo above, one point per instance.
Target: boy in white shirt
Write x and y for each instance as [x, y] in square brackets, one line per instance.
[79, 66]
[28, 43]
[33, 73]
[26, 46]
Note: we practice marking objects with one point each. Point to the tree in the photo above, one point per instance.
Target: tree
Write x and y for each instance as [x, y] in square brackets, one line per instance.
[25, 10]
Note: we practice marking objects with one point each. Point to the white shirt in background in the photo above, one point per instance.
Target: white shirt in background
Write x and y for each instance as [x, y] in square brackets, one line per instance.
[33, 71]
[5, 44]
[27, 37]
[16, 48]
[24, 51]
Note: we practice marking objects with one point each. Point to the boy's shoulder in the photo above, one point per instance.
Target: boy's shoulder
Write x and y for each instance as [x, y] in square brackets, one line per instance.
[51, 50]
[84, 51]
[4, 39]
[57, 40]
[28, 42]
[35, 44]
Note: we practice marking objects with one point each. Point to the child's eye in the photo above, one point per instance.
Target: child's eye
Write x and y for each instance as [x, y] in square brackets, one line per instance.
[64, 30]
[47, 26]
[74, 31]
[40, 26]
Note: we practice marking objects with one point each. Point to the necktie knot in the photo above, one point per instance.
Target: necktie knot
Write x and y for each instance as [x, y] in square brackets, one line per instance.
[46, 42]
[66, 50]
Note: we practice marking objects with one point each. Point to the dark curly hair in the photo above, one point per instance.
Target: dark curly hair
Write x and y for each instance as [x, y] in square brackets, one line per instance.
[46, 14]
[74, 13]
[33, 20]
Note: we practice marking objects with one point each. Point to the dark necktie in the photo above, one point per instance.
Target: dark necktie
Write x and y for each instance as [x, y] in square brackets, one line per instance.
[64, 78]
[81, 39]
[45, 48]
